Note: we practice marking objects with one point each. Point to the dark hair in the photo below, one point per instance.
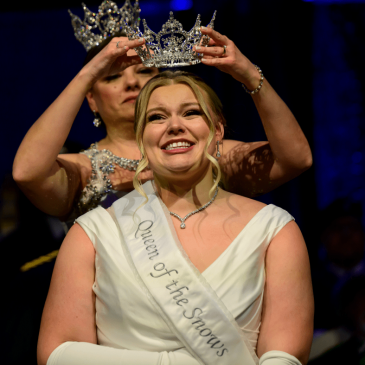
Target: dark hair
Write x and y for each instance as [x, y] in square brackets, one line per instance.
[95, 50]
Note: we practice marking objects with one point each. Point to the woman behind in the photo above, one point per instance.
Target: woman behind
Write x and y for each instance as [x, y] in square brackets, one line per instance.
[138, 284]
[111, 80]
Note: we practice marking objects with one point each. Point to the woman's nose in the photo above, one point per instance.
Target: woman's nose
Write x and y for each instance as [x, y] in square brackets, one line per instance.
[176, 126]
[131, 82]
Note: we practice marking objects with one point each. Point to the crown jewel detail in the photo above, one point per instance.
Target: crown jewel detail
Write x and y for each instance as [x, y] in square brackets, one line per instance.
[109, 20]
[172, 46]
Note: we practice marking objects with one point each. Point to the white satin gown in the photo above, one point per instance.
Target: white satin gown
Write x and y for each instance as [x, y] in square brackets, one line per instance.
[125, 317]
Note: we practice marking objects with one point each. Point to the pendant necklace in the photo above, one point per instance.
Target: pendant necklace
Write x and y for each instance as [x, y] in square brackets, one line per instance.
[182, 220]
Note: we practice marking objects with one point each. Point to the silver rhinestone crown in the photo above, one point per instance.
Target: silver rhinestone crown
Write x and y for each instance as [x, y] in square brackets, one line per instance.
[172, 46]
[108, 21]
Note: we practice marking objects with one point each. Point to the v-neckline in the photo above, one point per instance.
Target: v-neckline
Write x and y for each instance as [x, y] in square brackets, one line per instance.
[227, 249]
[233, 243]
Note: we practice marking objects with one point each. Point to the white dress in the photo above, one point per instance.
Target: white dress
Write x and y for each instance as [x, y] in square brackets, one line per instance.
[125, 317]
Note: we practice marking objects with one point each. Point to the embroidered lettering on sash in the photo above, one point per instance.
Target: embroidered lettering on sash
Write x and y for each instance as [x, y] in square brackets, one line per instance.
[204, 332]
[181, 295]
[145, 228]
[144, 232]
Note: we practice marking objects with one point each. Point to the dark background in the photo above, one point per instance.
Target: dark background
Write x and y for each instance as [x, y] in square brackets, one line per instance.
[312, 52]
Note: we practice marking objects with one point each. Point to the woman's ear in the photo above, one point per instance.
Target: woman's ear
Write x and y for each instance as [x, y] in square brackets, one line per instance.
[219, 131]
[91, 101]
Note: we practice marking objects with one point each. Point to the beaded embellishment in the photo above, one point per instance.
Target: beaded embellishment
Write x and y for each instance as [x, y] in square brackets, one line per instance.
[99, 186]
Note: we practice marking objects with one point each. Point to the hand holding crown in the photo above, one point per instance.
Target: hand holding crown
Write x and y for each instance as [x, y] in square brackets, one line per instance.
[224, 54]
[172, 46]
[113, 59]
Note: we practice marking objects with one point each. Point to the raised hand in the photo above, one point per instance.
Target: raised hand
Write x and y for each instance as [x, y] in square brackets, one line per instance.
[224, 54]
[114, 58]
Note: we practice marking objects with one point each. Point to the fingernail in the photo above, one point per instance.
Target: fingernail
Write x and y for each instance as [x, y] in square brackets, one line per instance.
[140, 40]
[204, 59]
[197, 48]
[202, 27]
[125, 47]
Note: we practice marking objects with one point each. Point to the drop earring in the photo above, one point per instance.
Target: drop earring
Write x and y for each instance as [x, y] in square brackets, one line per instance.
[97, 120]
[218, 153]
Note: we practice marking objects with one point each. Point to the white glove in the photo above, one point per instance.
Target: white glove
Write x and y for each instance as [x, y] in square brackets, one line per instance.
[278, 358]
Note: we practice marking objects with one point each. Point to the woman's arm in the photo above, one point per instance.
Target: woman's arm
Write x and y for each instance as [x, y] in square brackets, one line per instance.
[287, 317]
[255, 168]
[68, 330]
[69, 311]
[51, 181]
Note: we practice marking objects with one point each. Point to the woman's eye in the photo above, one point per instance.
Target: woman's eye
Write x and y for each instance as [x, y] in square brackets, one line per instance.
[146, 71]
[192, 112]
[112, 77]
[154, 117]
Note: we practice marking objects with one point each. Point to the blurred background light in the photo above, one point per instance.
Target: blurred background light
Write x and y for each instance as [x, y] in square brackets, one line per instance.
[152, 7]
[181, 4]
[335, 1]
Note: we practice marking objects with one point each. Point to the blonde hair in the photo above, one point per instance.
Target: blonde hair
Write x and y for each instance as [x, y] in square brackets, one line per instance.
[197, 85]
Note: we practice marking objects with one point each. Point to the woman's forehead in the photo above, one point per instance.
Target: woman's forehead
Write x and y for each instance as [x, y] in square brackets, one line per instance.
[172, 94]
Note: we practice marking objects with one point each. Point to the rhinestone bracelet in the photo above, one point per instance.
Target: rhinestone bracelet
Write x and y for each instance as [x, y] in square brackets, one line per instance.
[260, 84]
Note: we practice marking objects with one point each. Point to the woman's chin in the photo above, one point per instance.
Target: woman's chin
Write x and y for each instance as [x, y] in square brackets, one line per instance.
[172, 171]
[181, 172]
[127, 112]
[181, 169]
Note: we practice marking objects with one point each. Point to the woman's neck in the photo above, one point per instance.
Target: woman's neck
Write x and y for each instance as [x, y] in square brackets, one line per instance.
[183, 195]
[121, 141]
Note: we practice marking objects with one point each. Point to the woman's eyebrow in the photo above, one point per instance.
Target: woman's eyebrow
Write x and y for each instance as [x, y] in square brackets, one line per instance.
[160, 108]
[182, 106]
[188, 104]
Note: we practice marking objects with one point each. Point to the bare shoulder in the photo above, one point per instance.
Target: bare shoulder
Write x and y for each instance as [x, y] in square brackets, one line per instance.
[289, 240]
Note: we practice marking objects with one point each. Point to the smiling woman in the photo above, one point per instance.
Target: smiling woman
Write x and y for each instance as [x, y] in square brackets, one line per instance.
[192, 114]
[231, 287]
[71, 184]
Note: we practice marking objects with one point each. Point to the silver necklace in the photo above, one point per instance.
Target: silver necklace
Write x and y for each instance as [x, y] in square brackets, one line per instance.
[182, 220]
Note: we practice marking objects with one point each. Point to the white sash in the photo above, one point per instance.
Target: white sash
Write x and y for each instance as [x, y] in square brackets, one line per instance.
[176, 288]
